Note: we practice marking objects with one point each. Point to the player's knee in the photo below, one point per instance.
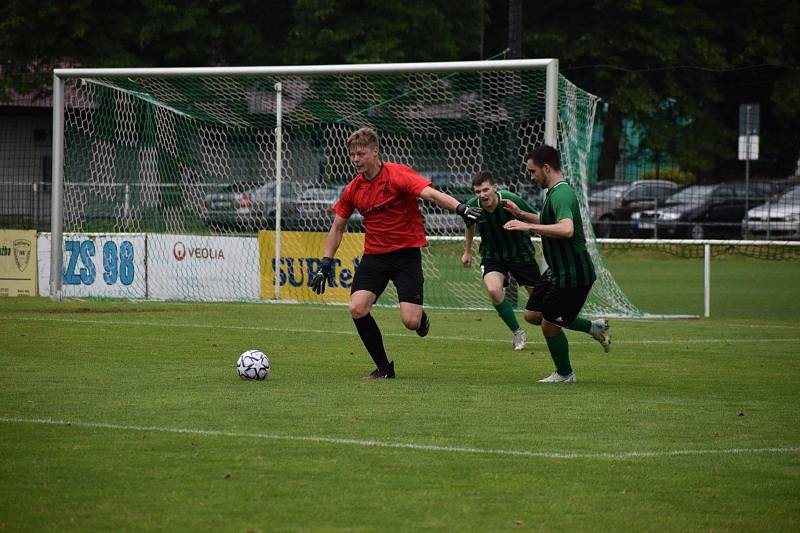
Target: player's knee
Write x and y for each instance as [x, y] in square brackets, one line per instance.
[533, 317]
[411, 322]
[358, 309]
[497, 295]
[550, 330]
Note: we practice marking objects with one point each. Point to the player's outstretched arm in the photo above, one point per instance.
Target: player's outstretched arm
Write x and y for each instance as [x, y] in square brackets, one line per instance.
[563, 229]
[470, 214]
[325, 272]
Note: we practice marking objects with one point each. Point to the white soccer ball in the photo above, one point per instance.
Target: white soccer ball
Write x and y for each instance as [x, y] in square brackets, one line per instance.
[253, 365]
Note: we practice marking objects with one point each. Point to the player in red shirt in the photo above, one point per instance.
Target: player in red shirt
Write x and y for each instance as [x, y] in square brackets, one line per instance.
[386, 196]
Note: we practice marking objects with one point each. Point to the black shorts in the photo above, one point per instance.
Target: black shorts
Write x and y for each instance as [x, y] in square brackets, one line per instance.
[526, 274]
[558, 306]
[403, 267]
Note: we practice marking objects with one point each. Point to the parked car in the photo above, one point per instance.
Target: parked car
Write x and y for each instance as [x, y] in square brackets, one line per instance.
[779, 218]
[244, 205]
[600, 185]
[313, 210]
[612, 207]
[702, 211]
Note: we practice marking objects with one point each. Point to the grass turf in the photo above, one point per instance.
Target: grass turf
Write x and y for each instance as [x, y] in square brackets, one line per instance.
[129, 416]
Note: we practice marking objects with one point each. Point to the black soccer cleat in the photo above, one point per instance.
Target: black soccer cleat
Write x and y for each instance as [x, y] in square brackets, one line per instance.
[382, 373]
[424, 325]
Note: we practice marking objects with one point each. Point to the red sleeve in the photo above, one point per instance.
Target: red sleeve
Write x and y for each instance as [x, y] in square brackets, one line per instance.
[408, 180]
[344, 207]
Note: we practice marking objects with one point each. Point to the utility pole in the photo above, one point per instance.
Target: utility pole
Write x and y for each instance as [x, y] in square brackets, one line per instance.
[515, 29]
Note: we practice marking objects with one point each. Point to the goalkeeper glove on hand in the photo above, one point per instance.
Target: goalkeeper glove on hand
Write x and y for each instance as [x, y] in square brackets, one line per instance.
[325, 273]
[470, 214]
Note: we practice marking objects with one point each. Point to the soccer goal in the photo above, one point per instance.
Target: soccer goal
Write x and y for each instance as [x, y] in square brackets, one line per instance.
[217, 183]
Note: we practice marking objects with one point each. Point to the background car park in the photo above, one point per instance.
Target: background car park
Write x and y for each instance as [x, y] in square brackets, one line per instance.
[249, 206]
[611, 208]
[244, 205]
[775, 219]
[703, 211]
[313, 210]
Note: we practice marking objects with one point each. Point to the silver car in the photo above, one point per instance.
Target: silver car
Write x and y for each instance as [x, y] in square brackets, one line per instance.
[244, 206]
[312, 210]
[780, 218]
[241, 205]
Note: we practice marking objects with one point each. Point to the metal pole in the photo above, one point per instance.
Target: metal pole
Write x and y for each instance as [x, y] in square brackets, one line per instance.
[278, 180]
[707, 280]
[57, 192]
[310, 70]
[747, 185]
[551, 105]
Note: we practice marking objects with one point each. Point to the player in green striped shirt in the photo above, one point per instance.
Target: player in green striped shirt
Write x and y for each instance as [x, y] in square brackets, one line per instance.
[561, 292]
[503, 253]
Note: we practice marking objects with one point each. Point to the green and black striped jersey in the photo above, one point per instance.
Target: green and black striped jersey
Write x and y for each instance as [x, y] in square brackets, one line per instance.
[568, 260]
[498, 243]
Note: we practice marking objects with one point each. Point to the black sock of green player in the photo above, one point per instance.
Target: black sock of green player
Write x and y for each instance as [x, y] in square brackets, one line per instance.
[559, 351]
[506, 312]
[581, 324]
[371, 336]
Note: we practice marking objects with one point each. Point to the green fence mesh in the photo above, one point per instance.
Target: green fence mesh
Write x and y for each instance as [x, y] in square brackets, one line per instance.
[197, 156]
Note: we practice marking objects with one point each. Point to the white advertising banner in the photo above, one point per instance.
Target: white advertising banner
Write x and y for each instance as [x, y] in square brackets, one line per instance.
[96, 265]
[197, 267]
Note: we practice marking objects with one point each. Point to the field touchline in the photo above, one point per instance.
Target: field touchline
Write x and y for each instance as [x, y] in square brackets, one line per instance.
[406, 446]
[577, 340]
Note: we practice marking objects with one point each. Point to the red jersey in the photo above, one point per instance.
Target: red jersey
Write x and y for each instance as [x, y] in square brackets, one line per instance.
[389, 206]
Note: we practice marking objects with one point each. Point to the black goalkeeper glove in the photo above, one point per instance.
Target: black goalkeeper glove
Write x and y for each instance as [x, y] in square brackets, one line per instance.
[470, 214]
[325, 273]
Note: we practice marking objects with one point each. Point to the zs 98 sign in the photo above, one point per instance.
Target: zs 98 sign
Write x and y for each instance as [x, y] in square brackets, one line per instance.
[117, 263]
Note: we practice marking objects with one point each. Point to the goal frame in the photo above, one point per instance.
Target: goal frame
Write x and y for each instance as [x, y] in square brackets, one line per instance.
[60, 75]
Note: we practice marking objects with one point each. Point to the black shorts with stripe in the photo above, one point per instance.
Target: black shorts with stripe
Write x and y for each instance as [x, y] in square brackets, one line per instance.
[403, 267]
[558, 306]
[526, 274]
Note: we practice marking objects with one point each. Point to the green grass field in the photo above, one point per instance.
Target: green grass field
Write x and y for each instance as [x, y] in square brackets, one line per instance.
[129, 416]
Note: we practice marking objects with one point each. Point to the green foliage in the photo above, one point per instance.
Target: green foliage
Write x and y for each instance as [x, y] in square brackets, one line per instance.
[673, 174]
[385, 31]
[634, 54]
[638, 54]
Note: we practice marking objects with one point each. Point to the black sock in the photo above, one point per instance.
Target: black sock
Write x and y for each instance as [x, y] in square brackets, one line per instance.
[373, 340]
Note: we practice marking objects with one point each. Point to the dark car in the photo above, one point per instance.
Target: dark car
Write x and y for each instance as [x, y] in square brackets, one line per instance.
[703, 211]
[611, 208]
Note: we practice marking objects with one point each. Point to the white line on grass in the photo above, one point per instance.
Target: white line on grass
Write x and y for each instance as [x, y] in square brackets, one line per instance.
[128, 323]
[403, 445]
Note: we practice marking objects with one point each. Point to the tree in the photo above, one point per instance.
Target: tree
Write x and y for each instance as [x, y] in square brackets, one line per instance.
[385, 31]
[38, 35]
[638, 54]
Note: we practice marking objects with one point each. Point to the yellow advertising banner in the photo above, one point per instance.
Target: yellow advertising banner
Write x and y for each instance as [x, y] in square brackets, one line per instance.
[301, 254]
[18, 263]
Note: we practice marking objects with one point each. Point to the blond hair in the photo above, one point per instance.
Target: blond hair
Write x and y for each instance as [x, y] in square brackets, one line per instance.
[362, 137]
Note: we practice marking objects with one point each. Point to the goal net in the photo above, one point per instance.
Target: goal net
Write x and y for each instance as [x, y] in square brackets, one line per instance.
[187, 162]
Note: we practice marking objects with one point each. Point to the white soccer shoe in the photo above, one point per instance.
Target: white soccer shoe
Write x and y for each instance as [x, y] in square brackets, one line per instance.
[600, 333]
[555, 377]
[520, 339]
